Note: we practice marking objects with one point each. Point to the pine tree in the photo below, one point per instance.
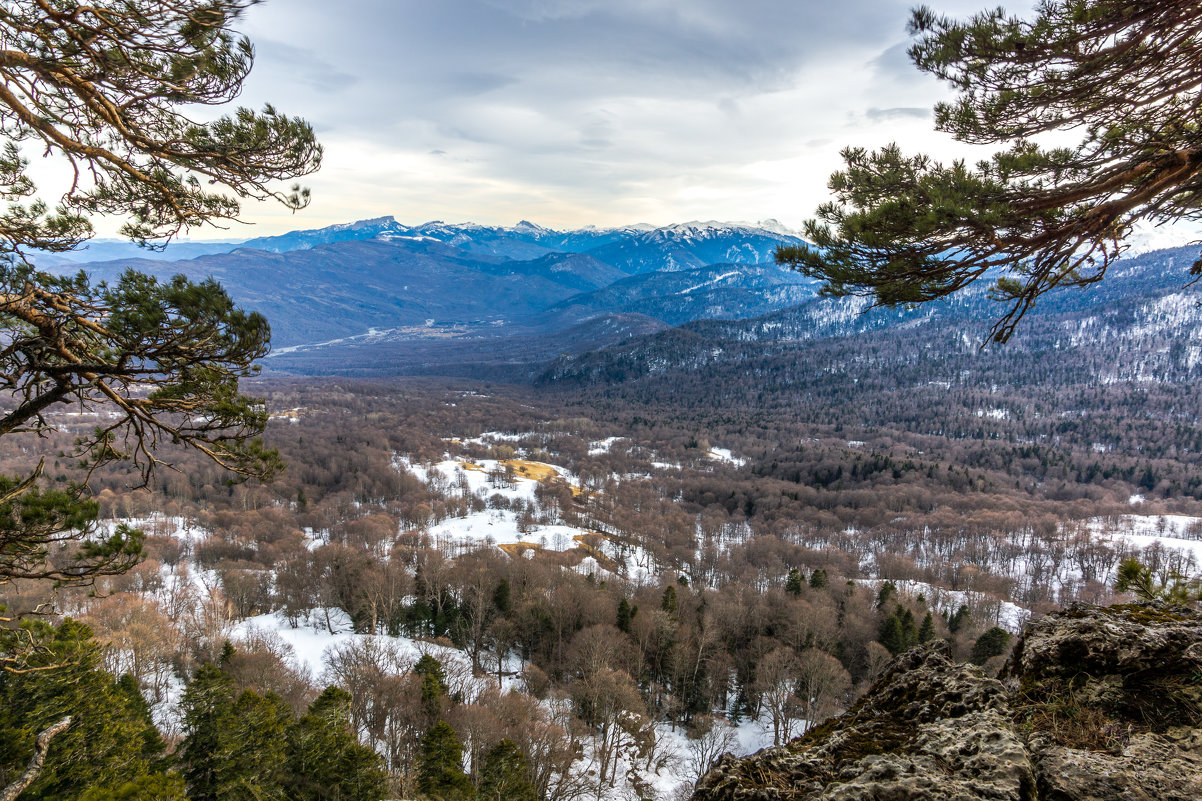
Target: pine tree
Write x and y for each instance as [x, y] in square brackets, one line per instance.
[625, 614]
[235, 743]
[429, 666]
[818, 579]
[793, 582]
[909, 628]
[887, 593]
[501, 598]
[992, 642]
[506, 775]
[151, 787]
[440, 773]
[325, 760]
[1121, 77]
[927, 632]
[103, 90]
[110, 740]
[669, 602]
[891, 635]
[959, 620]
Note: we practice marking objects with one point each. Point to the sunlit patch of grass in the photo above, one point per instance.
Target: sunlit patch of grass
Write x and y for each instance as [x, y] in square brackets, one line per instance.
[538, 471]
[516, 549]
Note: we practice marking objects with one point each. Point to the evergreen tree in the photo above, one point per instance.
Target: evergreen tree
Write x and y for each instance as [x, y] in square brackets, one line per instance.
[235, 743]
[669, 602]
[927, 632]
[440, 773]
[818, 579]
[991, 643]
[887, 593]
[325, 760]
[908, 627]
[151, 787]
[110, 739]
[1135, 578]
[959, 620]
[501, 598]
[891, 635]
[434, 686]
[506, 775]
[625, 615]
[793, 582]
[1122, 77]
[164, 356]
[429, 666]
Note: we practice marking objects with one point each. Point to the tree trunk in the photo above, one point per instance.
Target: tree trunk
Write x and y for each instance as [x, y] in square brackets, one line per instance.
[41, 746]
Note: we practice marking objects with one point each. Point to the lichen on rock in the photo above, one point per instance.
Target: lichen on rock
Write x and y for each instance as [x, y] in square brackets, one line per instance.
[1094, 703]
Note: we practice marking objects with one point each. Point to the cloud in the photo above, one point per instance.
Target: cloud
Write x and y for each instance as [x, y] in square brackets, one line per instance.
[588, 111]
[880, 114]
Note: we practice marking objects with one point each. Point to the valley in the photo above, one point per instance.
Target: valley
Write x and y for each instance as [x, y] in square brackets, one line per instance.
[547, 543]
[632, 494]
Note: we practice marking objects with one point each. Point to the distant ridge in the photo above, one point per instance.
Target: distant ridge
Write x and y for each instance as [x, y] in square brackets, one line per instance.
[525, 240]
[371, 290]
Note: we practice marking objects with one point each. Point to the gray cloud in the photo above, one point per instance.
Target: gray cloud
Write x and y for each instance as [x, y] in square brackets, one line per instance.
[880, 114]
[587, 107]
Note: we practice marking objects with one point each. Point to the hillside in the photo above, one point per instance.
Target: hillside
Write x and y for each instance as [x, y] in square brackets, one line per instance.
[489, 289]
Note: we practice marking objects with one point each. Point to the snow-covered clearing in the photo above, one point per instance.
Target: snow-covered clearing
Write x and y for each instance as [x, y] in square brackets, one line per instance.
[601, 446]
[1173, 532]
[510, 478]
[724, 455]
[313, 639]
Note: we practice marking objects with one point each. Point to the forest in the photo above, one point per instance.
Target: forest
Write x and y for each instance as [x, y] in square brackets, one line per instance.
[459, 584]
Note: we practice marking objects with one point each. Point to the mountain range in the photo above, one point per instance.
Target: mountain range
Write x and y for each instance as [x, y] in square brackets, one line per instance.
[645, 306]
[376, 291]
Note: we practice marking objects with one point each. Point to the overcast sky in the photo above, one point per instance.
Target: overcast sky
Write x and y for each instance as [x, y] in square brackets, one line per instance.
[577, 112]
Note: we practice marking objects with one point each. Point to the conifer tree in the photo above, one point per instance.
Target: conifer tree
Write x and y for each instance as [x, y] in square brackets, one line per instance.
[625, 615]
[793, 582]
[501, 599]
[885, 594]
[326, 761]
[992, 642]
[104, 89]
[908, 627]
[927, 632]
[1121, 78]
[433, 687]
[891, 635]
[151, 787]
[506, 775]
[818, 579]
[959, 619]
[235, 743]
[669, 602]
[440, 773]
[110, 739]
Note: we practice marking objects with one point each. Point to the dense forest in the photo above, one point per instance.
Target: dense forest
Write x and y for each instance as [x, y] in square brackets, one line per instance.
[577, 592]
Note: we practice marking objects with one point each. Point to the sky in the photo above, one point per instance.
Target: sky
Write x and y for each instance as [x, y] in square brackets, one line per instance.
[585, 112]
[570, 113]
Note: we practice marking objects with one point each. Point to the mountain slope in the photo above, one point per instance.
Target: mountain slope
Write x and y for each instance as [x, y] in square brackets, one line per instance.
[344, 289]
[1141, 327]
[380, 281]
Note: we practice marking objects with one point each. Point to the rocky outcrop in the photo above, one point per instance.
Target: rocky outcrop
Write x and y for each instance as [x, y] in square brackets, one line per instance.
[1095, 702]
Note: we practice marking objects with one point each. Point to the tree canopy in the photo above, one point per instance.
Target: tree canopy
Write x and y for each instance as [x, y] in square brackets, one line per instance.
[1122, 77]
[104, 87]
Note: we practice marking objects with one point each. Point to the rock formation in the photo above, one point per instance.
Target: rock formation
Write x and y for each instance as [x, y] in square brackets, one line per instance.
[1095, 702]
